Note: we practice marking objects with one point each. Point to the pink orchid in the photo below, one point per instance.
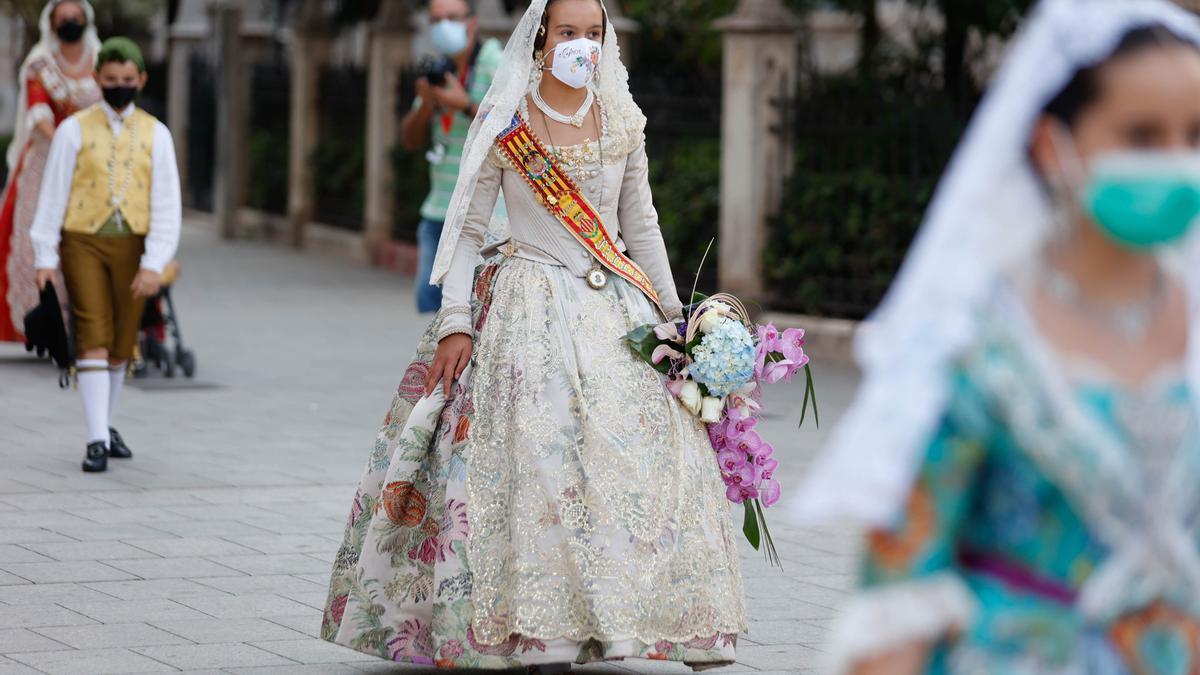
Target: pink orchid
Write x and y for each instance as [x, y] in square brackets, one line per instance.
[793, 346]
[731, 461]
[749, 443]
[768, 335]
[743, 475]
[668, 331]
[740, 493]
[771, 492]
[665, 352]
[766, 467]
[719, 435]
[743, 400]
[778, 370]
[740, 423]
[764, 453]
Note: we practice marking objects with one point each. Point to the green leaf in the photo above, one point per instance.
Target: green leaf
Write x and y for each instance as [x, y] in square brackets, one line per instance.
[750, 525]
[698, 298]
[644, 341]
[771, 551]
[810, 392]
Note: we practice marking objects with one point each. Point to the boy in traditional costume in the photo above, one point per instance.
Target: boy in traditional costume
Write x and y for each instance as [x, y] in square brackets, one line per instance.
[110, 206]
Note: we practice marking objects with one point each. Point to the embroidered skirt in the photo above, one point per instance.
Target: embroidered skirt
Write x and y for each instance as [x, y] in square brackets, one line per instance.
[560, 507]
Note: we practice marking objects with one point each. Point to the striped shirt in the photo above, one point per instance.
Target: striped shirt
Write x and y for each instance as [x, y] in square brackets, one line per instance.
[447, 149]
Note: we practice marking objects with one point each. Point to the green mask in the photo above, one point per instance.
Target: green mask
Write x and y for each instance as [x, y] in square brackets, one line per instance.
[1143, 200]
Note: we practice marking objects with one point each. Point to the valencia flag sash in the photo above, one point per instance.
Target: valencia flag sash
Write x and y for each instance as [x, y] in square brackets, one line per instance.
[555, 190]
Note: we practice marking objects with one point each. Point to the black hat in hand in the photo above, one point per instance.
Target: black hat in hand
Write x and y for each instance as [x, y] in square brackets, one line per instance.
[45, 331]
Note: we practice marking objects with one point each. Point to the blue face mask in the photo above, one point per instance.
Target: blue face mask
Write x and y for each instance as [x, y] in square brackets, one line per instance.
[449, 37]
[1143, 200]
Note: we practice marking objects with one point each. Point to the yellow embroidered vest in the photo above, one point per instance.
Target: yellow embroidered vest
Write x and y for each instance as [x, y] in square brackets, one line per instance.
[98, 175]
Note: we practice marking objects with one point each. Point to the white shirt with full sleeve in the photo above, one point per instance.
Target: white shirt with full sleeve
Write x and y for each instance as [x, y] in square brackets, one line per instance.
[166, 204]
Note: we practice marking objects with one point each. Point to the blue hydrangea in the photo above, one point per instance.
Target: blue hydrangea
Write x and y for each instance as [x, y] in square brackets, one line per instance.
[724, 360]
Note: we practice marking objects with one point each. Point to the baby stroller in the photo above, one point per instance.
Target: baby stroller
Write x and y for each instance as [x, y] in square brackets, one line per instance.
[159, 319]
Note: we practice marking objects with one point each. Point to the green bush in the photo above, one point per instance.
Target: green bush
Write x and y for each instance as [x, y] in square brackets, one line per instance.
[687, 189]
[340, 164]
[268, 185]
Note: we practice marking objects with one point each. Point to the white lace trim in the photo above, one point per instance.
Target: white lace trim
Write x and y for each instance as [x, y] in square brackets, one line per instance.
[900, 614]
[38, 113]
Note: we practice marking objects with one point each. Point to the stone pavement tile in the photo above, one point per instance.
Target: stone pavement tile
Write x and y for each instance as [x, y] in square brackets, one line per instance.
[281, 563]
[788, 631]
[16, 640]
[111, 635]
[140, 498]
[191, 547]
[771, 609]
[36, 616]
[244, 606]
[92, 662]
[11, 553]
[125, 611]
[107, 531]
[212, 631]
[69, 480]
[237, 512]
[10, 667]
[214, 656]
[289, 495]
[780, 657]
[326, 556]
[27, 535]
[48, 594]
[314, 597]
[65, 572]
[172, 568]
[147, 589]
[285, 543]
[838, 582]
[325, 526]
[267, 583]
[313, 651]
[135, 515]
[89, 550]
[7, 579]
[207, 528]
[308, 623]
[10, 487]
[320, 669]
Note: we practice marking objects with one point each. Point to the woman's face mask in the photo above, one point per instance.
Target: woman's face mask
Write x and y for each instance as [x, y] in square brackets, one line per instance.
[1140, 199]
[575, 62]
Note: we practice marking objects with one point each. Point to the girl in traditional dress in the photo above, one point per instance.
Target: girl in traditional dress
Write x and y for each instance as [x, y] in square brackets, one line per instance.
[1024, 447]
[536, 495]
[57, 80]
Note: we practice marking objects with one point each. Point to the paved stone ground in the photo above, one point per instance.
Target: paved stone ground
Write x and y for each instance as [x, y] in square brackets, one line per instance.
[210, 551]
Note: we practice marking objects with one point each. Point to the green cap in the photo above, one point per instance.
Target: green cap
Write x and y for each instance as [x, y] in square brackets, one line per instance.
[120, 50]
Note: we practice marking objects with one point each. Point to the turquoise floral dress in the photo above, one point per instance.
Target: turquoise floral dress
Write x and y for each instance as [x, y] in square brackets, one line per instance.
[1052, 527]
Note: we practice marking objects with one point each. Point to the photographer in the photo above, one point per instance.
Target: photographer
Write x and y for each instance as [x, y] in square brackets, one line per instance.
[448, 95]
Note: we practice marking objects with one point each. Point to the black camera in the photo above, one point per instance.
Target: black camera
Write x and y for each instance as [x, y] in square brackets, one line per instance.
[435, 69]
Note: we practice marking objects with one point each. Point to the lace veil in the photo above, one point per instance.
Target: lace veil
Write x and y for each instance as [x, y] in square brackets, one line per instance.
[988, 215]
[47, 46]
[510, 85]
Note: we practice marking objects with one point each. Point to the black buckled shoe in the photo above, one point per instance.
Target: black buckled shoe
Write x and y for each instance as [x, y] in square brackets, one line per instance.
[96, 460]
[116, 446]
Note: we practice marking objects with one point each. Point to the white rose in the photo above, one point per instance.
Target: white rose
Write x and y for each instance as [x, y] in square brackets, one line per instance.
[711, 409]
[690, 396]
[713, 316]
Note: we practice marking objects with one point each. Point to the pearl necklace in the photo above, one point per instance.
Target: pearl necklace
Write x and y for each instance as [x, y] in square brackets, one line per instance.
[118, 198]
[575, 120]
[1131, 321]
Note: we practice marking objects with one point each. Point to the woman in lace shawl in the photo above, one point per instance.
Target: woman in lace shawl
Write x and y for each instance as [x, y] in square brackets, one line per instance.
[536, 495]
[1024, 448]
[56, 81]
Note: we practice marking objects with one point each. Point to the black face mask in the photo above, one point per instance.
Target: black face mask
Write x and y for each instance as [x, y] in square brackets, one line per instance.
[70, 31]
[119, 97]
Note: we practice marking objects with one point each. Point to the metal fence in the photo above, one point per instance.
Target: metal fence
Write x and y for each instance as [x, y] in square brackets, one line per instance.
[270, 115]
[201, 134]
[340, 157]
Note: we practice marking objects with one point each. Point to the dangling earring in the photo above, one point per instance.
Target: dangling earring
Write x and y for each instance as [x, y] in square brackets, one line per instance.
[539, 65]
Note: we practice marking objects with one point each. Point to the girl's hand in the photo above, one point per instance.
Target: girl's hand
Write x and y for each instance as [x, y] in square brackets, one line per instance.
[451, 359]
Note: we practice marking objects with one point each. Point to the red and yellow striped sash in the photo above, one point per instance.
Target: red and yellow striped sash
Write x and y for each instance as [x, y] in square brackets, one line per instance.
[555, 190]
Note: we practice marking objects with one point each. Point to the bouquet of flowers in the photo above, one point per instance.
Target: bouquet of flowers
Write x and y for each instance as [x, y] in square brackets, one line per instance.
[716, 361]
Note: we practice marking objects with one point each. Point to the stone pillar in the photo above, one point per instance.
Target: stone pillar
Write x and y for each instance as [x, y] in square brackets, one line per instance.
[311, 45]
[627, 31]
[191, 29]
[391, 38]
[760, 69]
[230, 177]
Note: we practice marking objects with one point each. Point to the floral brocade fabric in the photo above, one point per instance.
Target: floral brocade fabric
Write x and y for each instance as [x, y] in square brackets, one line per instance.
[559, 507]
